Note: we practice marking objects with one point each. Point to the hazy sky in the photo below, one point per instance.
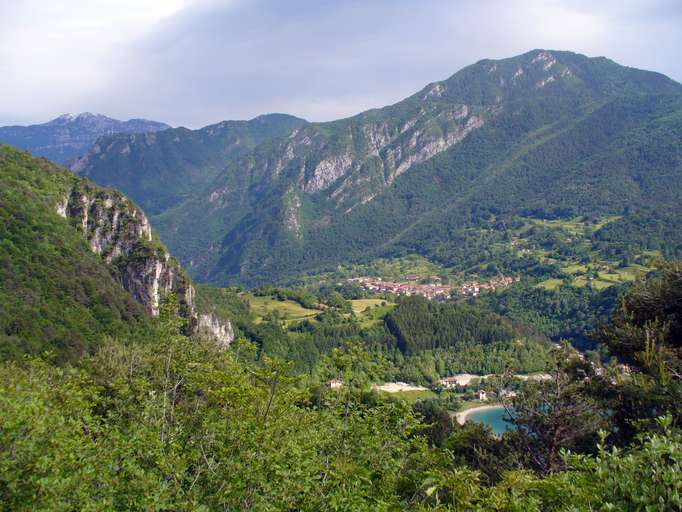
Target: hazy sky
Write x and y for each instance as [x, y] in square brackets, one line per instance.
[195, 62]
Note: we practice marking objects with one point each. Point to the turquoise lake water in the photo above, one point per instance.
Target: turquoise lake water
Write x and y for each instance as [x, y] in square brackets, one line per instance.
[494, 418]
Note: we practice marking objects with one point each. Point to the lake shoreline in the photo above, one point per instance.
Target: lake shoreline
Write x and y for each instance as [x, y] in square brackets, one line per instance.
[462, 416]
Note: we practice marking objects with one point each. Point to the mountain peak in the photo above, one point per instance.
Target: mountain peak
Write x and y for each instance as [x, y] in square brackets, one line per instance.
[70, 135]
[63, 119]
[69, 118]
[89, 115]
[546, 71]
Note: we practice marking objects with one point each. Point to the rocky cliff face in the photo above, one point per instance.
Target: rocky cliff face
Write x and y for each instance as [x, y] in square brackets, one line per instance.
[368, 152]
[120, 233]
[221, 331]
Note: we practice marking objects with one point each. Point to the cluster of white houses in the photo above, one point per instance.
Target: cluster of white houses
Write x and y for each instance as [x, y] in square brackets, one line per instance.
[429, 291]
[432, 291]
[473, 288]
[462, 380]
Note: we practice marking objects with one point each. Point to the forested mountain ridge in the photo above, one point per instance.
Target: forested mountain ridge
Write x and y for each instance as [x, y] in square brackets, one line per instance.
[79, 262]
[543, 133]
[163, 169]
[69, 136]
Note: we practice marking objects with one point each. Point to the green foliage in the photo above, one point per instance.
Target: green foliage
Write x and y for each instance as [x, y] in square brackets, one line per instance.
[564, 313]
[644, 478]
[55, 293]
[646, 333]
[419, 324]
[556, 414]
[182, 426]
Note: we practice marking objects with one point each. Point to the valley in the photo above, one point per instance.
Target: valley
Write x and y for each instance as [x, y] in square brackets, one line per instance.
[277, 314]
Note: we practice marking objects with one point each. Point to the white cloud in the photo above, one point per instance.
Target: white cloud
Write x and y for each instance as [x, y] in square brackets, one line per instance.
[56, 54]
[193, 62]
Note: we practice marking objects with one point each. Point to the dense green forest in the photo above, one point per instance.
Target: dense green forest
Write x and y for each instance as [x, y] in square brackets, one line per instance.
[178, 424]
[421, 341]
[419, 324]
[565, 313]
[55, 293]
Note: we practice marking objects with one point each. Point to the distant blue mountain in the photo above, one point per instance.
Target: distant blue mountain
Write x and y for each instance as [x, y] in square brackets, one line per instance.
[69, 136]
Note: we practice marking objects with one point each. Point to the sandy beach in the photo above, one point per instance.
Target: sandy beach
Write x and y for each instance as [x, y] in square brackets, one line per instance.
[462, 416]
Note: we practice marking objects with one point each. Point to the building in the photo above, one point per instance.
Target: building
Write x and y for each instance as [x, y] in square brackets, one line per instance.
[449, 382]
[335, 383]
[409, 288]
[481, 395]
[470, 289]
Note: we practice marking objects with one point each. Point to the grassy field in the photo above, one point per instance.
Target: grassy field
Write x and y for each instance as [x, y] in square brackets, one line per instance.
[579, 282]
[359, 305]
[550, 284]
[376, 311]
[574, 268]
[601, 285]
[288, 310]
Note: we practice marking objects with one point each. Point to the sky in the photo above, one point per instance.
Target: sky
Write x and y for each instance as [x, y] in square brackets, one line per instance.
[196, 62]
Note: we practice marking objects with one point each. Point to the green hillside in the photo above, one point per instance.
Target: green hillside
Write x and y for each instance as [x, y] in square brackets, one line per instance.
[442, 174]
[55, 293]
[159, 170]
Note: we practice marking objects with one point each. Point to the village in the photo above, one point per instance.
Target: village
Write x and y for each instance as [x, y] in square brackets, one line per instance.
[434, 290]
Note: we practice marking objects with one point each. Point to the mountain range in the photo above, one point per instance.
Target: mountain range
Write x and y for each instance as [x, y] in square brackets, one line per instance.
[442, 174]
[69, 136]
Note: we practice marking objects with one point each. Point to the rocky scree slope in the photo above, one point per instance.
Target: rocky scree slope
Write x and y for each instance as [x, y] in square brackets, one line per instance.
[495, 138]
[69, 135]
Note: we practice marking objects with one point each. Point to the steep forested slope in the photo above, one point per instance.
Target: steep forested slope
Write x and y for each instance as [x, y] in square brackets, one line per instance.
[159, 170]
[544, 133]
[78, 262]
[55, 293]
